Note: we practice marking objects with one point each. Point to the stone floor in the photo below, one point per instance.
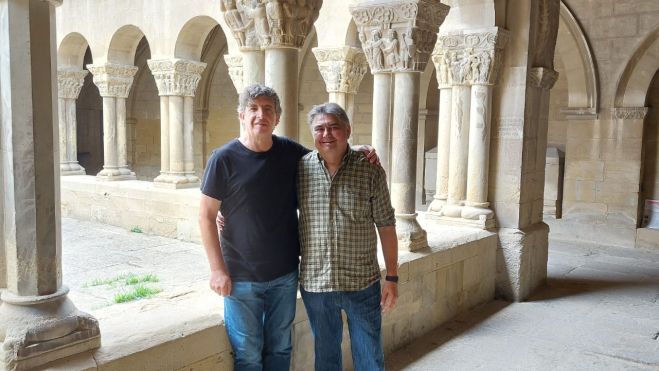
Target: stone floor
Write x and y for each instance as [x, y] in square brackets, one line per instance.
[600, 310]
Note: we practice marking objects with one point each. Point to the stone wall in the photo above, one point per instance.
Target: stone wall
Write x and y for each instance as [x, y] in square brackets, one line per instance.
[186, 331]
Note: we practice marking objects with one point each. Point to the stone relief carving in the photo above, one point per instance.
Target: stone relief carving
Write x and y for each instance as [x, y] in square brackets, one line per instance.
[469, 58]
[69, 83]
[398, 37]
[541, 77]
[235, 64]
[176, 76]
[270, 23]
[113, 80]
[342, 68]
[629, 113]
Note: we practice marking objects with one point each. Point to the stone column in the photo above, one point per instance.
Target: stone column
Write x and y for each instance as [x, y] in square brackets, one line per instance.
[401, 42]
[239, 16]
[467, 60]
[443, 133]
[342, 69]
[114, 82]
[69, 84]
[38, 323]
[177, 80]
[381, 118]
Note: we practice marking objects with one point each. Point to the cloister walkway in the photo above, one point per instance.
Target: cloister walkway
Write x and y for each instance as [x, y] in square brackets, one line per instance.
[599, 311]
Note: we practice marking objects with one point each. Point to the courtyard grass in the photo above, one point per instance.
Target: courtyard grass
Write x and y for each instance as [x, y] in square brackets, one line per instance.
[131, 286]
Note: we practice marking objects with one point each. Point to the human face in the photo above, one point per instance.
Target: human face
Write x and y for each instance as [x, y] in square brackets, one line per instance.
[330, 135]
[259, 117]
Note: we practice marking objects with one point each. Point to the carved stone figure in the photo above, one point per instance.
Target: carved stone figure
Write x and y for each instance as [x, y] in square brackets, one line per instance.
[407, 50]
[275, 16]
[391, 50]
[377, 45]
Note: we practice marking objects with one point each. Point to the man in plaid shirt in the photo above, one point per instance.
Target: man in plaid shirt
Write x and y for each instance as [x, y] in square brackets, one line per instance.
[342, 200]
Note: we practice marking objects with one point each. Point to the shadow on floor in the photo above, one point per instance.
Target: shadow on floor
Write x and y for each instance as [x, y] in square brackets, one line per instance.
[439, 336]
[558, 288]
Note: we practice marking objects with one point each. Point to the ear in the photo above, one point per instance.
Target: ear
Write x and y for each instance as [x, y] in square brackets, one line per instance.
[277, 119]
[349, 130]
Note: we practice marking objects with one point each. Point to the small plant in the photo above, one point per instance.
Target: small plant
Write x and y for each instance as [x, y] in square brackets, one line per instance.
[138, 292]
[134, 280]
[136, 229]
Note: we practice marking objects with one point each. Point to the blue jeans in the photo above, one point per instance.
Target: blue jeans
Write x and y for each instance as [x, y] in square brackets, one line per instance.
[258, 318]
[364, 323]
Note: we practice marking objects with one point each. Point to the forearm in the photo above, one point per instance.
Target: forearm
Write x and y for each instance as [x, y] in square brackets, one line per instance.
[389, 242]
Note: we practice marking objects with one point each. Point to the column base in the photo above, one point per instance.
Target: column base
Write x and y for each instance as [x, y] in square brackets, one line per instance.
[411, 236]
[115, 174]
[71, 168]
[521, 261]
[176, 181]
[486, 224]
[436, 206]
[35, 330]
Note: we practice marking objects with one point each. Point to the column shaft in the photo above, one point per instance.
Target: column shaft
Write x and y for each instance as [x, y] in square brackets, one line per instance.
[164, 135]
[109, 136]
[459, 147]
[479, 146]
[253, 67]
[71, 137]
[403, 170]
[188, 127]
[63, 135]
[381, 136]
[176, 159]
[443, 150]
[281, 74]
[122, 147]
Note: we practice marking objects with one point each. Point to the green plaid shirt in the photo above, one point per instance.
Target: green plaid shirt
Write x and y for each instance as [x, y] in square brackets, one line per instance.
[337, 222]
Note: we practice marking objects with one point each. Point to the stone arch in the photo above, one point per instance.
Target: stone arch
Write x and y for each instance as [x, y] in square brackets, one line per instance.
[352, 37]
[581, 71]
[635, 79]
[123, 45]
[71, 52]
[192, 37]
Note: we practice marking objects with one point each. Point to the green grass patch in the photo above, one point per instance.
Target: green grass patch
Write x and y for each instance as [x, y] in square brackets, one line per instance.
[125, 278]
[136, 229]
[137, 292]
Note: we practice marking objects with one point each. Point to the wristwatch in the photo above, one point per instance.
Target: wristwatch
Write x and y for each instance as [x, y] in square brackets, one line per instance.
[391, 278]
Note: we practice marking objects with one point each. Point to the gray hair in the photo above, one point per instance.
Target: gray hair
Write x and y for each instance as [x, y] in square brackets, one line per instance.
[329, 109]
[252, 92]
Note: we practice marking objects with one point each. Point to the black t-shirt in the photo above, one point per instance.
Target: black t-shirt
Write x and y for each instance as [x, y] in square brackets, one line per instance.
[259, 204]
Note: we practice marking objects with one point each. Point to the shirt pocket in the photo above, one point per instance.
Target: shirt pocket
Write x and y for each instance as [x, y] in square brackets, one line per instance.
[353, 202]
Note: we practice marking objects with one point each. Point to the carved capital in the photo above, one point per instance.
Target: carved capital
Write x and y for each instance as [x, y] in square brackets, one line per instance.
[235, 64]
[270, 23]
[69, 83]
[342, 68]
[541, 77]
[178, 77]
[629, 113]
[470, 57]
[113, 80]
[398, 36]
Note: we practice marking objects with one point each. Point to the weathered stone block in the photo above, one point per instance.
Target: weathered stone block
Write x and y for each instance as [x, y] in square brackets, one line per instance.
[647, 238]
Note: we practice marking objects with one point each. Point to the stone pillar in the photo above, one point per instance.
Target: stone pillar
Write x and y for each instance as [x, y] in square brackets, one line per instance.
[401, 42]
[342, 69]
[239, 16]
[114, 82]
[69, 84]
[468, 61]
[38, 323]
[235, 64]
[177, 80]
[519, 148]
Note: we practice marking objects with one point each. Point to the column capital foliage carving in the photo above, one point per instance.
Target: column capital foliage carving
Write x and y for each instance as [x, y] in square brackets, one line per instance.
[629, 113]
[398, 35]
[70, 82]
[342, 68]
[235, 64]
[113, 80]
[470, 57]
[270, 23]
[178, 77]
[542, 77]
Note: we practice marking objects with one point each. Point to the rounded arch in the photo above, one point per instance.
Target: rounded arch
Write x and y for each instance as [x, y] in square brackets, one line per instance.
[192, 37]
[123, 45]
[71, 51]
[581, 72]
[633, 85]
